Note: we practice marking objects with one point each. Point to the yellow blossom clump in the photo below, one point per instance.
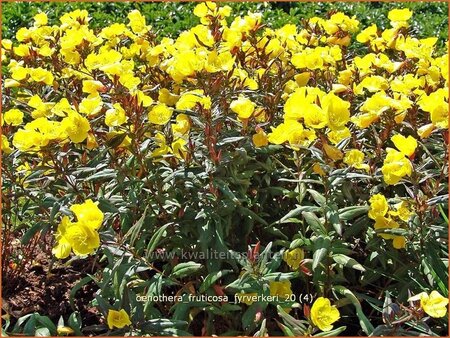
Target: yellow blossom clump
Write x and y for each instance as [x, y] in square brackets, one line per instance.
[395, 167]
[81, 236]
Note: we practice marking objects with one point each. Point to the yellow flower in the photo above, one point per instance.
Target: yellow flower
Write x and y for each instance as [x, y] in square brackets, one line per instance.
[403, 211]
[41, 75]
[435, 305]
[437, 105]
[7, 44]
[137, 22]
[315, 117]
[382, 222]
[282, 288]
[115, 116]
[378, 206]
[336, 136]
[243, 106]
[202, 9]
[10, 83]
[6, 148]
[425, 130]
[294, 257]
[118, 319]
[79, 237]
[179, 149]
[40, 19]
[160, 114]
[64, 330]
[323, 315]
[165, 96]
[399, 242]
[400, 14]
[76, 127]
[88, 213]
[338, 111]
[406, 145]
[163, 148]
[182, 125]
[128, 80]
[219, 61]
[143, 99]
[91, 105]
[260, 138]
[317, 169]
[82, 238]
[364, 120]
[13, 117]
[367, 34]
[332, 152]
[355, 158]
[372, 84]
[188, 100]
[92, 87]
[395, 167]
[19, 73]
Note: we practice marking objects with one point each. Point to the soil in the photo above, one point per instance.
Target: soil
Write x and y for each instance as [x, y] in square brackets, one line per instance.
[36, 290]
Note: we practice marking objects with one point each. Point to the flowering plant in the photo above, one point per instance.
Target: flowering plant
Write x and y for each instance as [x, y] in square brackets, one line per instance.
[309, 168]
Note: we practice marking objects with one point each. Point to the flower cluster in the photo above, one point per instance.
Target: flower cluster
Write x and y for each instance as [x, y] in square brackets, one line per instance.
[81, 236]
[379, 209]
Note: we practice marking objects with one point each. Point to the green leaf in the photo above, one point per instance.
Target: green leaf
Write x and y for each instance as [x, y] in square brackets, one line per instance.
[159, 324]
[262, 332]
[185, 269]
[48, 324]
[30, 326]
[296, 326]
[286, 330]
[135, 230]
[332, 216]
[31, 232]
[116, 140]
[248, 318]
[212, 278]
[349, 213]
[156, 238]
[247, 212]
[75, 289]
[363, 321]
[348, 262]
[105, 174]
[295, 212]
[75, 323]
[314, 223]
[318, 197]
[332, 333]
[321, 247]
[42, 332]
